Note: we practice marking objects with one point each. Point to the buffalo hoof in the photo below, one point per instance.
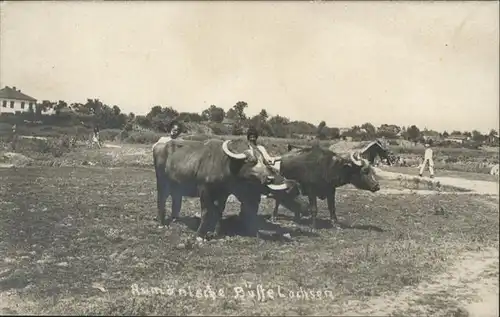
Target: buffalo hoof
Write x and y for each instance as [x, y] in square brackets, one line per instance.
[201, 240]
[274, 219]
[155, 218]
[211, 236]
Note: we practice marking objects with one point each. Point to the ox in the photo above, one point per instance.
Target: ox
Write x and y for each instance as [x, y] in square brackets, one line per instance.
[212, 171]
[319, 172]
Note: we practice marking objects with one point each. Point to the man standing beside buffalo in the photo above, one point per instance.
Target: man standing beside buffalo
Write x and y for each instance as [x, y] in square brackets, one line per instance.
[252, 136]
[174, 133]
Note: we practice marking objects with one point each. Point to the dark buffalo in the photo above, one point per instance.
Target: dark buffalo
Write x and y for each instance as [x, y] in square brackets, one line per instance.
[320, 171]
[369, 152]
[212, 171]
[377, 148]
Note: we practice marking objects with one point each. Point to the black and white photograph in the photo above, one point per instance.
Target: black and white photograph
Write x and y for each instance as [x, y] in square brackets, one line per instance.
[250, 158]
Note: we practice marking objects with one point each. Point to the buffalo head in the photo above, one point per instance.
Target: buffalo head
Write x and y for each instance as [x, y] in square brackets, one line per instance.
[247, 163]
[361, 173]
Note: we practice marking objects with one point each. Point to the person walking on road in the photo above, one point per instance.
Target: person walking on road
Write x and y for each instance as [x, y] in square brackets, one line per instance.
[428, 160]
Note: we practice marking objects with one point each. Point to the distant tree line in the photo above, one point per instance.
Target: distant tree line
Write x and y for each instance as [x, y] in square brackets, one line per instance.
[233, 121]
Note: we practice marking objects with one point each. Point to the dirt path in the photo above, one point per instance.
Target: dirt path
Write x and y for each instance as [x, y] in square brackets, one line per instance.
[469, 288]
[480, 187]
[462, 288]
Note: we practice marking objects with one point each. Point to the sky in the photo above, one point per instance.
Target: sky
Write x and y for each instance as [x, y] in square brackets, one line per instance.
[432, 64]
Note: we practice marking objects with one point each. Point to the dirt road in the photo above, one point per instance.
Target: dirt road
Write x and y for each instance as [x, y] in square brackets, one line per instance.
[475, 275]
[477, 186]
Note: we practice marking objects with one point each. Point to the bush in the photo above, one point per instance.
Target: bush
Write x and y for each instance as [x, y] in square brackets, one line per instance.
[55, 147]
[143, 137]
[219, 129]
[109, 134]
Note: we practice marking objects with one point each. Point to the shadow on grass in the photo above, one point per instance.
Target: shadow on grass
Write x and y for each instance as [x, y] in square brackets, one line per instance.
[233, 226]
[326, 224]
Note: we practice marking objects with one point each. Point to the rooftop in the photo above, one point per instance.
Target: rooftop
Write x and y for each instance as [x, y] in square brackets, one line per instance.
[13, 93]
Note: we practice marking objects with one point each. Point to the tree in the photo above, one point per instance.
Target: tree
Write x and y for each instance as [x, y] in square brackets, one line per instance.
[92, 106]
[478, 136]
[116, 110]
[389, 131]
[189, 117]
[44, 106]
[370, 129]
[413, 133]
[334, 133]
[239, 107]
[232, 114]
[214, 114]
[156, 110]
[445, 134]
[493, 132]
[59, 106]
[280, 126]
[143, 121]
[263, 114]
[320, 132]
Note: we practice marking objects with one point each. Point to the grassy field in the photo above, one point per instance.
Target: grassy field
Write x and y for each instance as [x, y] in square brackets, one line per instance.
[83, 241]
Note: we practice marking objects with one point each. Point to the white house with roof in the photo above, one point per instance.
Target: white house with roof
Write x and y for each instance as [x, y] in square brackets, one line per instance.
[12, 100]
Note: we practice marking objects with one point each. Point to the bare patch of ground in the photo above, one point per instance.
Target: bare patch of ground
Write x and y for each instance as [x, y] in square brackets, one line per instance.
[462, 288]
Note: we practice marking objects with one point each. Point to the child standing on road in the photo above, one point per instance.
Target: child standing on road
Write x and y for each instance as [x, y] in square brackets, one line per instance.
[428, 160]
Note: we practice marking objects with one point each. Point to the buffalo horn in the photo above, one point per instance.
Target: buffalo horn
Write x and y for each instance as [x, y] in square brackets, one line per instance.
[366, 163]
[277, 187]
[239, 156]
[355, 159]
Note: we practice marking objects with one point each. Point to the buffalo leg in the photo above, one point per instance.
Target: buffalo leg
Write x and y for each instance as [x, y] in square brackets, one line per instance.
[274, 217]
[314, 209]
[220, 205]
[206, 213]
[249, 213]
[331, 207]
[176, 203]
[211, 211]
[162, 191]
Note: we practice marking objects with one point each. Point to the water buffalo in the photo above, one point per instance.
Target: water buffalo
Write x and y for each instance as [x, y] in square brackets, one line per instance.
[369, 151]
[374, 149]
[320, 171]
[212, 170]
